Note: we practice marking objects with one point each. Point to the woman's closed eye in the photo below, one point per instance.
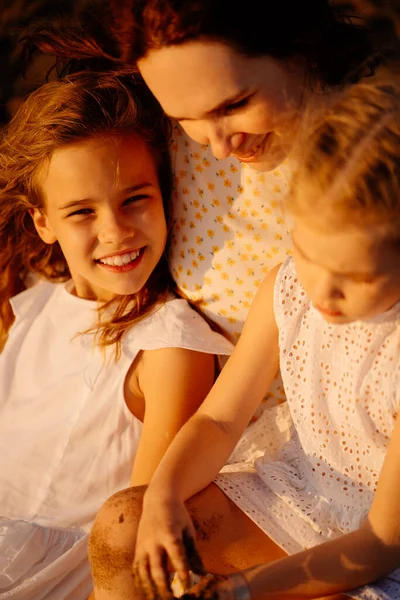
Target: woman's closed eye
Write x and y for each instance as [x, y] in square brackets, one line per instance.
[236, 106]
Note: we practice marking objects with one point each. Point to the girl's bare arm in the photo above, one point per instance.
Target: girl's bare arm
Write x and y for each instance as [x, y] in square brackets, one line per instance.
[173, 383]
[167, 386]
[205, 443]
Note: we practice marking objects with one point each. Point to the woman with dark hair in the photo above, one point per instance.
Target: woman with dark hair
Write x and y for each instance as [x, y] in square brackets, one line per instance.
[241, 84]
[197, 56]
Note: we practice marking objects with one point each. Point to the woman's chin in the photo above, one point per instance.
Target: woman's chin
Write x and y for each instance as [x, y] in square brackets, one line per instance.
[272, 158]
[267, 163]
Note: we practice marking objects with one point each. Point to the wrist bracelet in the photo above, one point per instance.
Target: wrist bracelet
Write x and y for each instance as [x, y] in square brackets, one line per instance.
[241, 589]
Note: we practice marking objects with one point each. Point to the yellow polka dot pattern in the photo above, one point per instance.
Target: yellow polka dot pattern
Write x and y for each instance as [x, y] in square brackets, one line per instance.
[228, 230]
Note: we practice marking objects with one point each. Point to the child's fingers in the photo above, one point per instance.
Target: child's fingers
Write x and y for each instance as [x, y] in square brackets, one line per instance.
[164, 549]
[195, 561]
[180, 561]
[142, 578]
[159, 574]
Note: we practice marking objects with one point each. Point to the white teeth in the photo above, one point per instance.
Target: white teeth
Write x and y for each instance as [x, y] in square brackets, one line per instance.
[120, 259]
[252, 152]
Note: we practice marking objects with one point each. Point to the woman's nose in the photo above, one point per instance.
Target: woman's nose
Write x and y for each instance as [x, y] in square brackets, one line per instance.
[223, 143]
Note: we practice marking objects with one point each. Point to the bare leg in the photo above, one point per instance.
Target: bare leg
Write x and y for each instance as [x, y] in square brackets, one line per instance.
[227, 539]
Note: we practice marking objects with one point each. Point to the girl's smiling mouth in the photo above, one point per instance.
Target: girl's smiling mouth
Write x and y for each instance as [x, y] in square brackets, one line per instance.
[124, 261]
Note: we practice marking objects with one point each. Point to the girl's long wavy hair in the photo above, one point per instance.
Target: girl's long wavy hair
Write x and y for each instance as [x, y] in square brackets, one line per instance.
[74, 109]
[350, 166]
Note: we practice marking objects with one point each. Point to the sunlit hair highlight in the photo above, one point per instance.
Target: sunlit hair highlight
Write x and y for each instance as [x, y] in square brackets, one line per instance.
[59, 113]
[349, 171]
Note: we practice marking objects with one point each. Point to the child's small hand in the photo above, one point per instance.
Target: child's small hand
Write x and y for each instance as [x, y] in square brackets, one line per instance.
[165, 542]
[220, 587]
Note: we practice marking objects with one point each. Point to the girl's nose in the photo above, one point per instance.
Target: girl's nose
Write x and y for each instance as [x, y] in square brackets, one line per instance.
[336, 292]
[114, 230]
[223, 143]
[329, 288]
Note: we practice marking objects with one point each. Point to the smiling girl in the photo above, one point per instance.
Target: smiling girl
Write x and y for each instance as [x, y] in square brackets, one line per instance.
[103, 364]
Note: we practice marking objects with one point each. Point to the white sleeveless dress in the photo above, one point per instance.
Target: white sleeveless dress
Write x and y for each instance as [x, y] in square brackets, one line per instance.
[67, 438]
[307, 471]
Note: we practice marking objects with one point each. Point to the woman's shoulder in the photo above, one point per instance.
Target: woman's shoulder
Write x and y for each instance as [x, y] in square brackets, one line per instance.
[176, 324]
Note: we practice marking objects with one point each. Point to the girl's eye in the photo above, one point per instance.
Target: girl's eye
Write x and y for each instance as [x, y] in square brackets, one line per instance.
[135, 199]
[231, 108]
[81, 211]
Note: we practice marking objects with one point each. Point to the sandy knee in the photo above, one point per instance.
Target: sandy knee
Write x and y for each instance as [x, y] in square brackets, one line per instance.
[112, 539]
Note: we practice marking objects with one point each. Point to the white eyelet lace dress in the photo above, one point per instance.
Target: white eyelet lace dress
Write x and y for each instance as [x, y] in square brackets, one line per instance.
[67, 438]
[307, 471]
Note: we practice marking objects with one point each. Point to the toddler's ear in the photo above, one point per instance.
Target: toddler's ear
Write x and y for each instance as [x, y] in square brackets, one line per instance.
[42, 226]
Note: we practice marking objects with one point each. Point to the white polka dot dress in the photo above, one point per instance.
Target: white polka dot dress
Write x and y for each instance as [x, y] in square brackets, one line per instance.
[228, 232]
[324, 449]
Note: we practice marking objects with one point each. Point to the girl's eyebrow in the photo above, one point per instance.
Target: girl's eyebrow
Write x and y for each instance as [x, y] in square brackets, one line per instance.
[74, 203]
[128, 190]
[216, 109]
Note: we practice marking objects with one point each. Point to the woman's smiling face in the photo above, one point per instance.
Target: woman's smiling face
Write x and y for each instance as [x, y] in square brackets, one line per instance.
[243, 106]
